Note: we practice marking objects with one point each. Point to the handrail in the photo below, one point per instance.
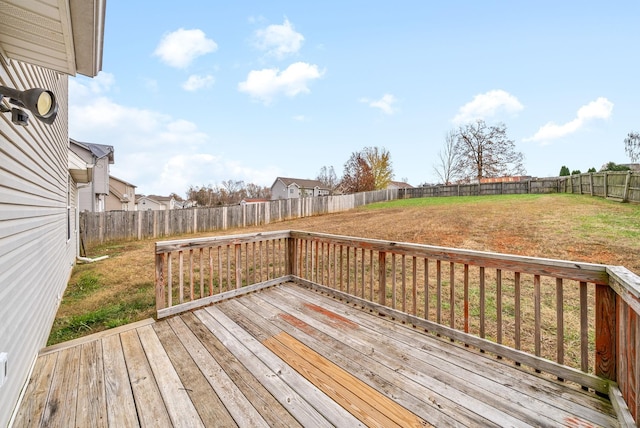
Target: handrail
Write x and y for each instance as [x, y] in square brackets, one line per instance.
[582, 316]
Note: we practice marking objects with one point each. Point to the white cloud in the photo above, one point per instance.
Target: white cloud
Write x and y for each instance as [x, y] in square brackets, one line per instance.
[179, 48]
[266, 84]
[195, 82]
[279, 40]
[598, 109]
[385, 103]
[300, 118]
[155, 151]
[487, 105]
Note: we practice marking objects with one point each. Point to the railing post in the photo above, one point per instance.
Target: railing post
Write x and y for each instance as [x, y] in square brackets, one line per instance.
[160, 282]
[291, 257]
[605, 332]
[382, 277]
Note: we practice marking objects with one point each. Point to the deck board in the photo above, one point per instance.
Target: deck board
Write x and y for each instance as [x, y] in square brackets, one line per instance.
[288, 356]
[503, 387]
[180, 346]
[121, 407]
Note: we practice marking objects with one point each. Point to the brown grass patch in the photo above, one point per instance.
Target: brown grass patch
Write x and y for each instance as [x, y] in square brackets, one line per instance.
[568, 227]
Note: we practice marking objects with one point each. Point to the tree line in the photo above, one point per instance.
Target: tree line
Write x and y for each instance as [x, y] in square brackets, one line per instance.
[470, 153]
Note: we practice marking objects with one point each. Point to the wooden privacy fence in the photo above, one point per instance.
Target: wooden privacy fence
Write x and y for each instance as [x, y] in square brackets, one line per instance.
[98, 228]
[577, 321]
[623, 186]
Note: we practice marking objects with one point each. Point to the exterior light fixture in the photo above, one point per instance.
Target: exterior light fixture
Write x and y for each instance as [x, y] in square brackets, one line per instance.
[40, 102]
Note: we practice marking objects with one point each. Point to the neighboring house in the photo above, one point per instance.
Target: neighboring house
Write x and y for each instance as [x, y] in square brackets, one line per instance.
[399, 185]
[93, 197]
[291, 188]
[155, 202]
[42, 42]
[122, 195]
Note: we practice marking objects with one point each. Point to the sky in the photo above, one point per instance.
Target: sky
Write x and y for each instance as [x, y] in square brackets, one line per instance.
[196, 92]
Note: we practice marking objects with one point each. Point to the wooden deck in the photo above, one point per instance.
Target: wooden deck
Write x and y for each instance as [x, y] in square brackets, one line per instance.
[288, 356]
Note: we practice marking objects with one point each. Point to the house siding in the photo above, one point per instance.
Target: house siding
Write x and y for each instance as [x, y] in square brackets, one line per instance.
[279, 191]
[117, 190]
[36, 255]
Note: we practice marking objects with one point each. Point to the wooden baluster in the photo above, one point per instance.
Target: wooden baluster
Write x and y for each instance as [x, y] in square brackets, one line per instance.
[393, 281]
[499, 305]
[466, 298]
[341, 268]
[169, 280]
[228, 267]
[537, 314]
[426, 289]
[518, 319]
[404, 284]
[238, 253]
[559, 321]
[201, 271]
[220, 274]
[584, 328]
[439, 291]
[348, 269]
[371, 275]
[414, 286]
[363, 274]
[180, 277]
[382, 278]
[482, 302]
[191, 279]
[210, 271]
[335, 268]
[452, 294]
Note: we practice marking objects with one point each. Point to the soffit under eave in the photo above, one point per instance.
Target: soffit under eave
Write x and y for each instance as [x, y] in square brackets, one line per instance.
[61, 35]
[80, 171]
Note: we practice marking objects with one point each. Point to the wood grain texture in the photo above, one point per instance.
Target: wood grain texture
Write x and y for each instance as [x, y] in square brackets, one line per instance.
[289, 356]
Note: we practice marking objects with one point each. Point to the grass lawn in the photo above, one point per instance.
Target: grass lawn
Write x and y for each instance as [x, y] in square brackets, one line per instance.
[120, 289]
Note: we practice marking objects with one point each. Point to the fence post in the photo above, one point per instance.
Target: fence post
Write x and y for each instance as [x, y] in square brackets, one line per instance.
[195, 220]
[627, 183]
[591, 182]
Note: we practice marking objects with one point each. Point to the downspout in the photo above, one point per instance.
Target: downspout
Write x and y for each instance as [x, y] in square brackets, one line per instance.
[90, 260]
[78, 258]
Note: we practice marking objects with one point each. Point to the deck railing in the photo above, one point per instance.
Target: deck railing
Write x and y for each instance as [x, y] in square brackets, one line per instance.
[577, 321]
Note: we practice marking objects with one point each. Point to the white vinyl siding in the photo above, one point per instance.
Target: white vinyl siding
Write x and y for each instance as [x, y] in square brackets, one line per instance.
[35, 255]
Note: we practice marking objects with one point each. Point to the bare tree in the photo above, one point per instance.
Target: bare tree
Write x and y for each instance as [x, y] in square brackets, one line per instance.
[255, 191]
[328, 177]
[632, 146]
[485, 151]
[448, 164]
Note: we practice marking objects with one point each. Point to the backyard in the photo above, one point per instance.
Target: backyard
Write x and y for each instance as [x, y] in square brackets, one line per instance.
[120, 289]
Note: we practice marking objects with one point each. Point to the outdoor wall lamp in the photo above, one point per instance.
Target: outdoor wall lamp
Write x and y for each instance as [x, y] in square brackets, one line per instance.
[40, 102]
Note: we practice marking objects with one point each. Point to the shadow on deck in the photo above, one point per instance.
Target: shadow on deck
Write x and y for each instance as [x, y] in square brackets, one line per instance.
[289, 356]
